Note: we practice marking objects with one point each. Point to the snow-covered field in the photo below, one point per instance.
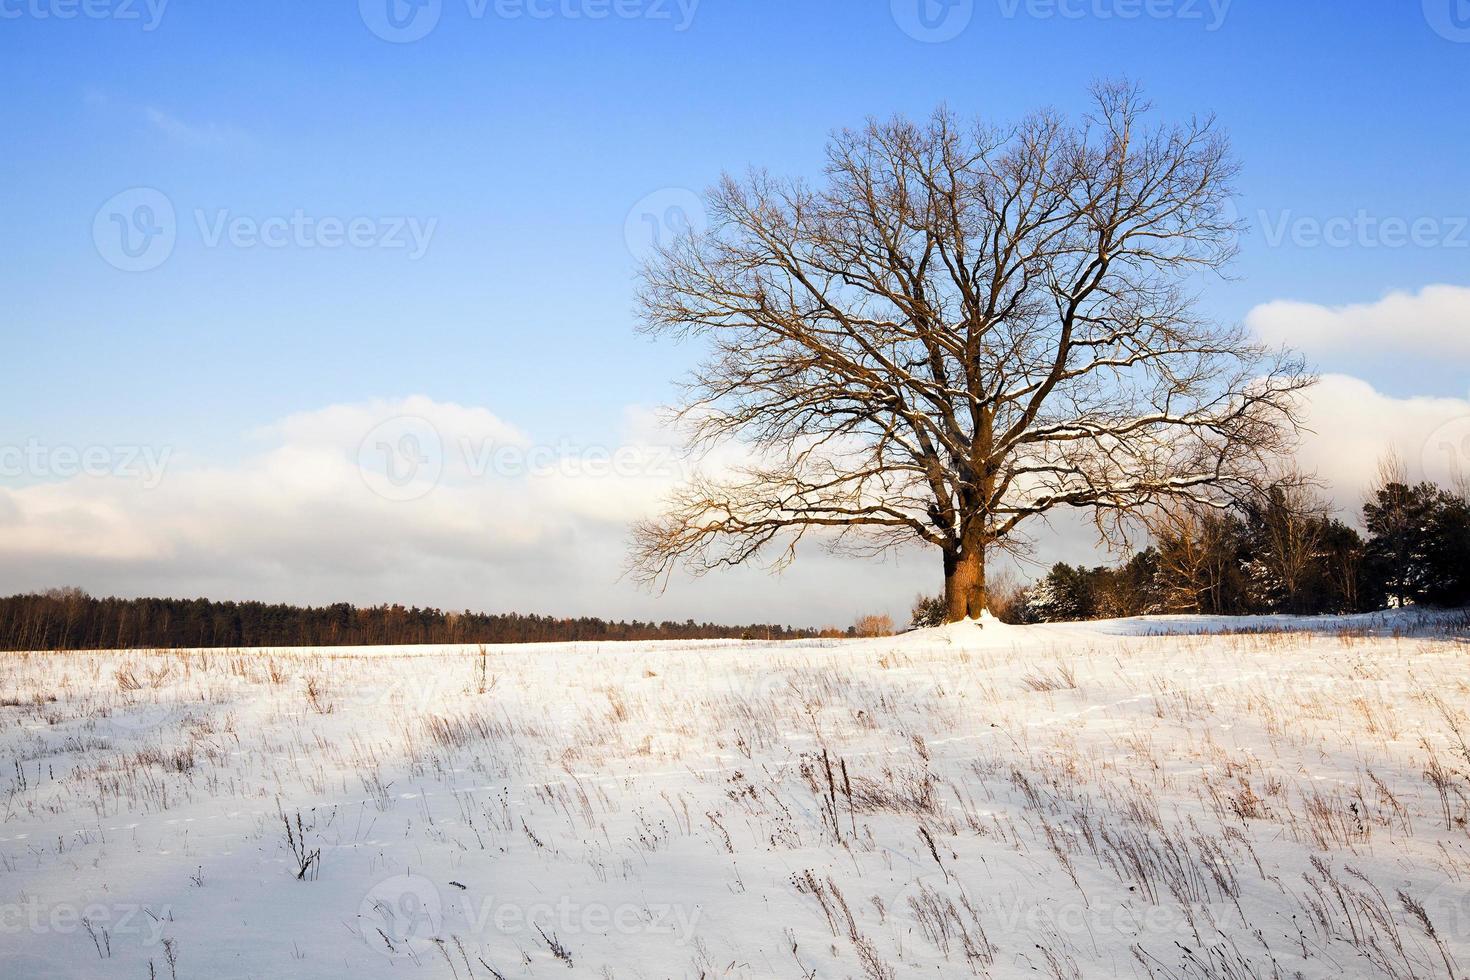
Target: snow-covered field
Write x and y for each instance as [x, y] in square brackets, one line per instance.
[1078, 801]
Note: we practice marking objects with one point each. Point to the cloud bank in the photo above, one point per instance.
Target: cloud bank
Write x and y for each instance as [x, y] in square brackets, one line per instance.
[1352, 426]
[1434, 321]
[417, 501]
[414, 501]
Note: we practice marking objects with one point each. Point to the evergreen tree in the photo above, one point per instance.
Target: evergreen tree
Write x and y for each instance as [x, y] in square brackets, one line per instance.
[1344, 568]
[1417, 546]
[1065, 595]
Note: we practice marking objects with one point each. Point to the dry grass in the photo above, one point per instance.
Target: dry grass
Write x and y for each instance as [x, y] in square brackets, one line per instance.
[1259, 805]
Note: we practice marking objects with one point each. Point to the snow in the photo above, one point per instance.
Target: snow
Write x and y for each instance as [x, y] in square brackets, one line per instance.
[1169, 797]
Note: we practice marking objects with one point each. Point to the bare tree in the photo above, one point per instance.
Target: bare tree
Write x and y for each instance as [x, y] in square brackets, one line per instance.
[1290, 522]
[961, 329]
[1389, 494]
[1390, 471]
[1199, 557]
[873, 625]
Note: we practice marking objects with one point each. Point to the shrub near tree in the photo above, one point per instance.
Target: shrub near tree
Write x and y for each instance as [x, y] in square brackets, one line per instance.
[928, 611]
[1066, 594]
[874, 625]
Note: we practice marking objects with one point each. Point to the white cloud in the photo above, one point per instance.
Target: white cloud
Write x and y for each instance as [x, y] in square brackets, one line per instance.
[485, 518]
[506, 523]
[339, 425]
[1353, 426]
[1435, 321]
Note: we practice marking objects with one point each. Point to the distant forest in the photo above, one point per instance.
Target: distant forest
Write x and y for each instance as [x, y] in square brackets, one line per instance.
[69, 619]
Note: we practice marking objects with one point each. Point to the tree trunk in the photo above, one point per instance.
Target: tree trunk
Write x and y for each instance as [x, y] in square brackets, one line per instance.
[964, 584]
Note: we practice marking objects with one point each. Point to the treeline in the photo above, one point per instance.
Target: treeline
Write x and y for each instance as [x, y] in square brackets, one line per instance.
[1280, 553]
[69, 619]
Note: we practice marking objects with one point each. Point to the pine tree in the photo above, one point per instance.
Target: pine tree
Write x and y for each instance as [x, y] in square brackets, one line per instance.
[1419, 546]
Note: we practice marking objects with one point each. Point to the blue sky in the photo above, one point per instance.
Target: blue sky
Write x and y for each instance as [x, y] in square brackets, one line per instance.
[524, 142]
